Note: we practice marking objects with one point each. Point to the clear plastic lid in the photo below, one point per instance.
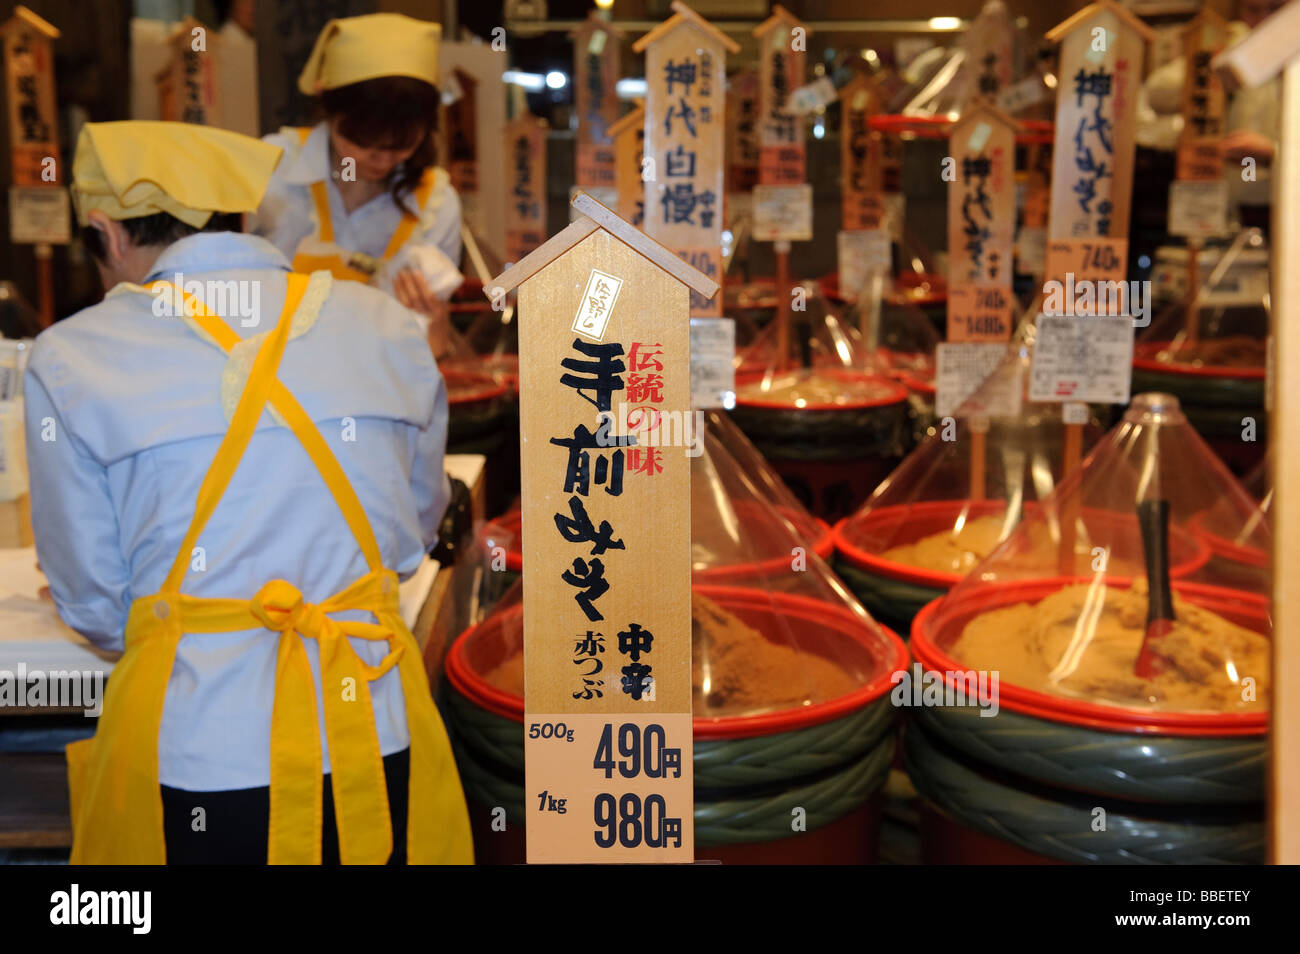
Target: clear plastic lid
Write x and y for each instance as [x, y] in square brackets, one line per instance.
[967, 486]
[1104, 606]
[899, 334]
[812, 360]
[780, 643]
[1220, 331]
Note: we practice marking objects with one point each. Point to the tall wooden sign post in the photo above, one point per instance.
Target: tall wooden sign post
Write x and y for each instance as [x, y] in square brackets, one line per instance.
[629, 152]
[188, 85]
[39, 211]
[989, 47]
[685, 131]
[526, 182]
[596, 49]
[1198, 198]
[1274, 48]
[863, 245]
[1102, 49]
[782, 202]
[981, 224]
[606, 539]
[742, 149]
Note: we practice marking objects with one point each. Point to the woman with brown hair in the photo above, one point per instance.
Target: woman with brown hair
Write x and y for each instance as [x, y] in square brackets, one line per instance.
[359, 193]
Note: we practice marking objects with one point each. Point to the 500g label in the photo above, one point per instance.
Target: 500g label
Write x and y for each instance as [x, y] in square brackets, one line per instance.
[635, 822]
[550, 730]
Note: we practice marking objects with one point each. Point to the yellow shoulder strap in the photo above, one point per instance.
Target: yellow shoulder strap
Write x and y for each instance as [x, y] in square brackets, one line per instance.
[409, 221]
[263, 385]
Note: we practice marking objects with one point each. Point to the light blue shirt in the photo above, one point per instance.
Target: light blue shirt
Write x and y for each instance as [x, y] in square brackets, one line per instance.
[288, 215]
[124, 416]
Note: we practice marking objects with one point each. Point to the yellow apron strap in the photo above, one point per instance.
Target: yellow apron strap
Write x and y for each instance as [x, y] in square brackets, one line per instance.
[249, 410]
[409, 221]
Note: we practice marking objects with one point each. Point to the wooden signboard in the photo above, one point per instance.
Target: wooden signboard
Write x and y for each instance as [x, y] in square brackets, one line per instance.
[188, 84]
[29, 89]
[782, 44]
[861, 185]
[606, 538]
[742, 150]
[1204, 102]
[1102, 49]
[460, 119]
[686, 60]
[988, 46]
[477, 68]
[629, 150]
[596, 46]
[981, 225]
[526, 184]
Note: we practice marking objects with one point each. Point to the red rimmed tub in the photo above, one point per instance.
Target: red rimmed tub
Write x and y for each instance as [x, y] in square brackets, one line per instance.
[829, 757]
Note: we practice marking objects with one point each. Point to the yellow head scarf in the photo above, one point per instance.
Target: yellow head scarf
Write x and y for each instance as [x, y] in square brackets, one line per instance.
[135, 168]
[379, 44]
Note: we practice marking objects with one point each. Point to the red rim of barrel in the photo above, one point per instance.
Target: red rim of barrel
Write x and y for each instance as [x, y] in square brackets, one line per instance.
[1033, 131]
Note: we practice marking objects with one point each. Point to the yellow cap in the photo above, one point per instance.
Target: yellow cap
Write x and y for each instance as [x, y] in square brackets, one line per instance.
[135, 168]
[362, 48]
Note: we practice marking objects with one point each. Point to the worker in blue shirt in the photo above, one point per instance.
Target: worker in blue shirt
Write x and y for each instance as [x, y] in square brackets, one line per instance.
[231, 467]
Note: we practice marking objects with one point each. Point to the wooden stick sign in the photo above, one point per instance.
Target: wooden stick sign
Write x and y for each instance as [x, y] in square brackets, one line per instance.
[629, 152]
[1204, 102]
[596, 48]
[460, 120]
[187, 85]
[605, 402]
[526, 181]
[988, 47]
[981, 224]
[1102, 48]
[782, 46]
[29, 86]
[742, 150]
[686, 60]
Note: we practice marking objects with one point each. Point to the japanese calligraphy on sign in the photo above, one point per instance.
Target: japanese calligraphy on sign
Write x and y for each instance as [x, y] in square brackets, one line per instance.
[606, 542]
[781, 71]
[187, 85]
[987, 45]
[861, 158]
[596, 46]
[526, 184]
[29, 82]
[742, 150]
[981, 225]
[1199, 157]
[1102, 48]
[684, 137]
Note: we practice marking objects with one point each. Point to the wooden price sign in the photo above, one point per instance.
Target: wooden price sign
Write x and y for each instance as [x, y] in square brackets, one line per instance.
[188, 85]
[782, 44]
[629, 150]
[606, 539]
[742, 150]
[29, 86]
[460, 119]
[596, 46]
[686, 59]
[1102, 48]
[988, 48]
[526, 181]
[861, 186]
[1199, 156]
[981, 225]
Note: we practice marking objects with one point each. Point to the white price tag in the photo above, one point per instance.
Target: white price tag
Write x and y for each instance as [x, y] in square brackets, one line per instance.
[1198, 209]
[860, 253]
[1027, 92]
[961, 369]
[39, 215]
[1082, 359]
[783, 213]
[816, 95]
[1031, 251]
[1074, 412]
[713, 369]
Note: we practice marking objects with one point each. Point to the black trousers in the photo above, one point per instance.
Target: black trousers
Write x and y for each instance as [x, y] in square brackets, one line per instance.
[237, 821]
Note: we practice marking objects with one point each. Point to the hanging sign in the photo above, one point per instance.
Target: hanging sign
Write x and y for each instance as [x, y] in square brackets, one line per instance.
[684, 137]
[526, 183]
[981, 225]
[605, 418]
[596, 46]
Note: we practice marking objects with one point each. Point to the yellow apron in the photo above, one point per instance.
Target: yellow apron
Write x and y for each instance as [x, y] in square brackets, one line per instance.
[319, 252]
[117, 811]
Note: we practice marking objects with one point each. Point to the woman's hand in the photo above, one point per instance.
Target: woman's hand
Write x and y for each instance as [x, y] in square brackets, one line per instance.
[413, 291]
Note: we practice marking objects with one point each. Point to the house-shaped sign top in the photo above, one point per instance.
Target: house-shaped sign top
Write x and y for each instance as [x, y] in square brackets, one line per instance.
[1125, 16]
[599, 239]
